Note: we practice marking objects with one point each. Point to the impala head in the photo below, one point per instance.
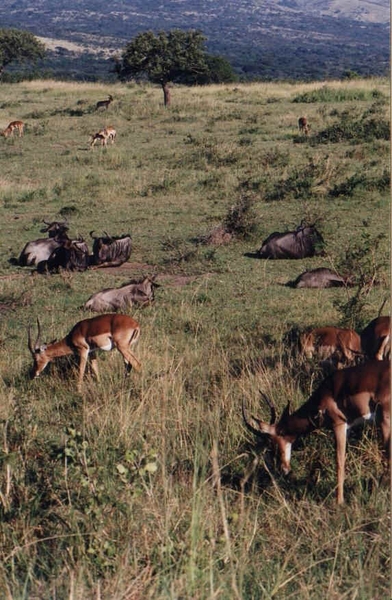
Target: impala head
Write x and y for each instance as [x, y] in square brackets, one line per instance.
[38, 352]
[275, 430]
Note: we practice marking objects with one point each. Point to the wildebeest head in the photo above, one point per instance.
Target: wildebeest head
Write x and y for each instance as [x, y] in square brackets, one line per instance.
[111, 250]
[72, 255]
[55, 228]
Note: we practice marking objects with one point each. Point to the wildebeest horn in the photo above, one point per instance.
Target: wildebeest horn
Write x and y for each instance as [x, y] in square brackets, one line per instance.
[91, 234]
[271, 407]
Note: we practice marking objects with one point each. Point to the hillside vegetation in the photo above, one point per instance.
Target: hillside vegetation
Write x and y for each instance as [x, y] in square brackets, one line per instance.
[150, 486]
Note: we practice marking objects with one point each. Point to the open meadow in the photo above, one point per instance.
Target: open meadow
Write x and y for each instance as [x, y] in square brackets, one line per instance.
[149, 486]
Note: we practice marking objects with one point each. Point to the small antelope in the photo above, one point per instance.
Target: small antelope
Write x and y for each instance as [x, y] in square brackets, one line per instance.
[19, 125]
[108, 133]
[331, 344]
[343, 400]
[303, 125]
[104, 103]
[104, 332]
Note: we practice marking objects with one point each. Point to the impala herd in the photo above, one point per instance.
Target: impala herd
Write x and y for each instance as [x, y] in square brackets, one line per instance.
[350, 394]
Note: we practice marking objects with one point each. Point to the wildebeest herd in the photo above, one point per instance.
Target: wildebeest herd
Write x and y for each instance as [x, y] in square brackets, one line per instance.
[358, 363]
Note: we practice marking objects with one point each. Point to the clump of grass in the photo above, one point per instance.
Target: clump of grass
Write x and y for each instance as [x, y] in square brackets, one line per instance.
[354, 127]
[330, 94]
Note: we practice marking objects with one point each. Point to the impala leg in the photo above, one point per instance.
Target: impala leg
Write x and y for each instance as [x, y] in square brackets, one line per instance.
[83, 354]
[340, 431]
[129, 358]
[94, 366]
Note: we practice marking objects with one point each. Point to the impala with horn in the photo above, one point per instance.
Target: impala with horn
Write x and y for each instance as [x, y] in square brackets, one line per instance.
[104, 332]
[343, 400]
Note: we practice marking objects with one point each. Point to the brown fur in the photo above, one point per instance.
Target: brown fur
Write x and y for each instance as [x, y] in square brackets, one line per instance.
[331, 343]
[115, 330]
[345, 397]
[19, 125]
[376, 338]
[303, 125]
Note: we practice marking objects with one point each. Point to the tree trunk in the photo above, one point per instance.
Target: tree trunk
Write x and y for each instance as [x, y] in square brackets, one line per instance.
[166, 94]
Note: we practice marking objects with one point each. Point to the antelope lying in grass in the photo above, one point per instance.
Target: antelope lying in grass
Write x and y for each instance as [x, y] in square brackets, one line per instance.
[343, 400]
[14, 125]
[104, 332]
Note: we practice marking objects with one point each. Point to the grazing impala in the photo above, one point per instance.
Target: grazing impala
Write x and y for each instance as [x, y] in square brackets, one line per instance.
[104, 332]
[343, 400]
[331, 344]
[108, 133]
[19, 125]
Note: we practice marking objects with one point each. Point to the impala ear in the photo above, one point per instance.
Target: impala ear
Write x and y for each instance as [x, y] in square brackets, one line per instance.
[286, 412]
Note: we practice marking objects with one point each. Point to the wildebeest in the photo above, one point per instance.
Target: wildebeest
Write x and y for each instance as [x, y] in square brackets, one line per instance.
[304, 242]
[111, 251]
[303, 125]
[39, 250]
[319, 278]
[333, 346]
[140, 293]
[72, 255]
[376, 338]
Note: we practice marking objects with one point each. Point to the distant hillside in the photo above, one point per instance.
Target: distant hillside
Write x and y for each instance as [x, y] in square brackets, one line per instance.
[296, 39]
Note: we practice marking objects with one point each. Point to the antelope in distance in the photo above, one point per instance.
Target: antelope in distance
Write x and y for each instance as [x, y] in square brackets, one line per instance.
[103, 136]
[103, 332]
[303, 125]
[14, 125]
[343, 400]
[104, 103]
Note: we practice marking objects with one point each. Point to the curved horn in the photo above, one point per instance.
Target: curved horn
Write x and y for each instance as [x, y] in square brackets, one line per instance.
[271, 407]
[251, 423]
[91, 235]
[38, 338]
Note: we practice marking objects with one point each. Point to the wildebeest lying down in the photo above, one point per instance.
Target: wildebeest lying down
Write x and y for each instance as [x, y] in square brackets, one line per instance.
[141, 293]
[319, 278]
[38, 250]
[72, 255]
[303, 242]
[111, 251]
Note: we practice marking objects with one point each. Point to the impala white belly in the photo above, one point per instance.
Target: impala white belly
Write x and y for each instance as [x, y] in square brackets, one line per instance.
[107, 347]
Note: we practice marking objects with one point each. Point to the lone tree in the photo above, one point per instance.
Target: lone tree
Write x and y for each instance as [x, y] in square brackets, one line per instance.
[174, 56]
[19, 46]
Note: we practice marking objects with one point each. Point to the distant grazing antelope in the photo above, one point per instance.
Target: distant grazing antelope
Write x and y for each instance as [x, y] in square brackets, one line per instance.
[104, 103]
[331, 344]
[108, 133]
[303, 125]
[104, 332]
[343, 400]
[19, 125]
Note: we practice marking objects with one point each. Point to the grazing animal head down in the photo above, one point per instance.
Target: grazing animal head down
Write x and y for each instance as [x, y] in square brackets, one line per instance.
[342, 400]
[303, 125]
[103, 332]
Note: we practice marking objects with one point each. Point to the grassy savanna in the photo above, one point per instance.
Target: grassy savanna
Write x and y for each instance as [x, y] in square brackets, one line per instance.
[150, 486]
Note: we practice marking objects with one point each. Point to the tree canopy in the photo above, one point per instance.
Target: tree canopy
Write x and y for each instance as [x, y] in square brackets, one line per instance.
[174, 56]
[17, 45]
